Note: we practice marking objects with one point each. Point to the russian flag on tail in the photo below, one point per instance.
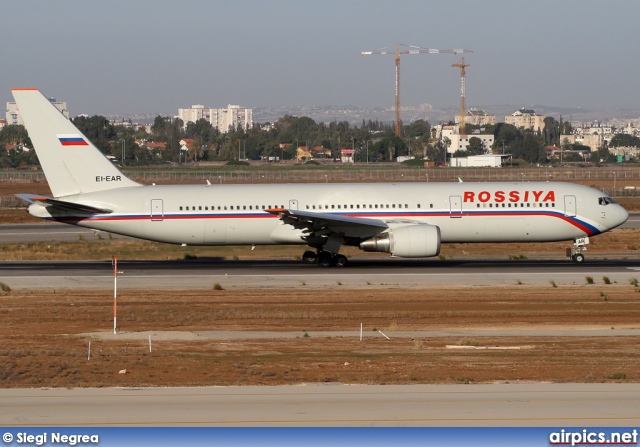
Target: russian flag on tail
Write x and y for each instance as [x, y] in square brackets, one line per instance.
[72, 140]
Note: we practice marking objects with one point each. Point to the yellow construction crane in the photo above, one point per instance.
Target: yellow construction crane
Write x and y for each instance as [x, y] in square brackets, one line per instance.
[412, 49]
[463, 97]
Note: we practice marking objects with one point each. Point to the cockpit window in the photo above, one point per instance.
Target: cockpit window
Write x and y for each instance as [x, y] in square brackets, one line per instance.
[605, 201]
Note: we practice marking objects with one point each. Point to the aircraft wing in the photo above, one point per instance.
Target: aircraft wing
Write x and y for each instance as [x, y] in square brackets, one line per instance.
[323, 224]
[70, 206]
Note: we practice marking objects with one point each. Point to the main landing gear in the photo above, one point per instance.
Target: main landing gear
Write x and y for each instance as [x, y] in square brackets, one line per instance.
[324, 258]
[575, 252]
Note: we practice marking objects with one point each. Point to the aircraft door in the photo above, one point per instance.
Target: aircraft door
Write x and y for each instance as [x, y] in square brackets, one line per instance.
[570, 207]
[157, 209]
[293, 204]
[455, 206]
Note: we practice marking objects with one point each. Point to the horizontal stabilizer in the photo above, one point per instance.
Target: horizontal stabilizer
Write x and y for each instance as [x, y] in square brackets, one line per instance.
[71, 206]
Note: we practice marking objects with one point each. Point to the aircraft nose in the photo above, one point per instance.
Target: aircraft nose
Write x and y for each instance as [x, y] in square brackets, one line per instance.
[621, 215]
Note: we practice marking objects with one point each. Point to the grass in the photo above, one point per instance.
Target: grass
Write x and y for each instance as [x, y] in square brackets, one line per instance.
[4, 287]
[589, 279]
[606, 280]
[217, 286]
[617, 376]
[553, 284]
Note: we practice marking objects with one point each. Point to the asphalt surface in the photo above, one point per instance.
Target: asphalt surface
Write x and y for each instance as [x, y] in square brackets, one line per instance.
[362, 272]
[496, 405]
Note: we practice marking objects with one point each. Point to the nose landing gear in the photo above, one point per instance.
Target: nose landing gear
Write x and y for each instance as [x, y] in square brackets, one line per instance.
[575, 252]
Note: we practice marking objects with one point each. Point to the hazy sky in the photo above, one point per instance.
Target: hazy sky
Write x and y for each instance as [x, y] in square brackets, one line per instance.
[129, 56]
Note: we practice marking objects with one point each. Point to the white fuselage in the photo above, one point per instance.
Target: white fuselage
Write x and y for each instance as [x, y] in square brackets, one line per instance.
[235, 214]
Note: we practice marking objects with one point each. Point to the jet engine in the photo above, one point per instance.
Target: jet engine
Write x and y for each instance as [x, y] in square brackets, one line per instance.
[410, 241]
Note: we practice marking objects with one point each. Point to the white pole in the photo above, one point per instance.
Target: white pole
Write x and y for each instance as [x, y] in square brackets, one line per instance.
[115, 293]
[360, 331]
[89, 355]
[384, 335]
[149, 343]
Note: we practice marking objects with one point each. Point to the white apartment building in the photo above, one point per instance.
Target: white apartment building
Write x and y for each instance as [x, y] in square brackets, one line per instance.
[477, 117]
[13, 114]
[222, 119]
[526, 119]
[460, 142]
[195, 113]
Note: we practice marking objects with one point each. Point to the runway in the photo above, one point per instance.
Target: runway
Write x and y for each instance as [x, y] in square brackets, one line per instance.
[361, 273]
[493, 405]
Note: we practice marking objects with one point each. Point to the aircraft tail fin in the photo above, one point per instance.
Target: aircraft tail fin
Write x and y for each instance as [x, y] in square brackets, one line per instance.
[71, 163]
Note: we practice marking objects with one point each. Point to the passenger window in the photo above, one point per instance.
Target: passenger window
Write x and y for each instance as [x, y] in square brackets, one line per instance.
[180, 208]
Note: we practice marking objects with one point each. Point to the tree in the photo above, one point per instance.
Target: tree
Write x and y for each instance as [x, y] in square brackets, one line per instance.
[98, 129]
[551, 131]
[437, 152]
[507, 136]
[475, 146]
[624, 140]
[532, 149]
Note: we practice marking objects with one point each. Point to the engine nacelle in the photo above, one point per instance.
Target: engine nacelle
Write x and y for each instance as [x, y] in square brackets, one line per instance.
[410, 241]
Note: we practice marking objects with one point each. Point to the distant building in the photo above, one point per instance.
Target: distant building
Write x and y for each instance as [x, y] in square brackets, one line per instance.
[3, 123]
[526, 119]
[346, 155]
[460, 142]
[14, 117]
[477, 117]
[476, 161]
[231, 117]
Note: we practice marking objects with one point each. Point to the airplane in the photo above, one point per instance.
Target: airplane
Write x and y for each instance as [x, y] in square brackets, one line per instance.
[409, 220]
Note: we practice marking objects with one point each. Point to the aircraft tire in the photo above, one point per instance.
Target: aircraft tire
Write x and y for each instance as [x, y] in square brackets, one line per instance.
[578, 258]
[340, 261]
[325, 259]
[310, 257]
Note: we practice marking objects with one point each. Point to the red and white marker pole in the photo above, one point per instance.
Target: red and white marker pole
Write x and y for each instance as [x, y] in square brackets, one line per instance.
[115, 292]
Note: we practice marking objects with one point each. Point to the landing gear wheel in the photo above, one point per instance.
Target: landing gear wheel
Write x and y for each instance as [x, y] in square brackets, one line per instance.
[310, 257]
[325, 259]
[340, 260]
[578, 258]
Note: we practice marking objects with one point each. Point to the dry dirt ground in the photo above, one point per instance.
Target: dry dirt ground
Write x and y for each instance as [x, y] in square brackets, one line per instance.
[45, 336]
